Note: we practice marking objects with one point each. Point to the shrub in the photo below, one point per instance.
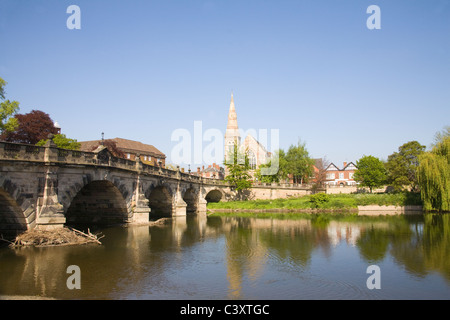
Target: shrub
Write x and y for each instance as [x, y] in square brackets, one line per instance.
[318, 200]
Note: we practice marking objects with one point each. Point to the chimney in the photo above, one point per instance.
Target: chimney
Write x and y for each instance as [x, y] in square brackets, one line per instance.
[203, 168]
[198, 169]
[345, 164]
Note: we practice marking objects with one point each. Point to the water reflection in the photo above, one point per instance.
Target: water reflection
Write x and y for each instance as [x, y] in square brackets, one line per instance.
[240, 258]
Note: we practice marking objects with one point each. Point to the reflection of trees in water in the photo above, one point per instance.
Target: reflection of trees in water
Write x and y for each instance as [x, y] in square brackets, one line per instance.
[137, 255]
[436, 243]
[251, 242]
[421, 245]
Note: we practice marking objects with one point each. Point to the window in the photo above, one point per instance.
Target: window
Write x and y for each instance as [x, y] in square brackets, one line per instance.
[252, 160]
[350, 175]
[341, 175]
[128, 156]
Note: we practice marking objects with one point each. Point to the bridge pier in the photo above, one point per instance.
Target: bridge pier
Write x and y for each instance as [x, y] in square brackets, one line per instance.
[141, 215]
[180, 208]
[50, 213]
[141, 211]
[201, 206]
[180, 204]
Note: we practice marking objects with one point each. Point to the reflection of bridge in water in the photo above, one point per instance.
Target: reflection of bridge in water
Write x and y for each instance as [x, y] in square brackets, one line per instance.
[48, 187]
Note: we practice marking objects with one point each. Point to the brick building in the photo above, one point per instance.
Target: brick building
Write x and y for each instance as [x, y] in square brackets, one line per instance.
[213, 171]
[341, 176]
[148, 153]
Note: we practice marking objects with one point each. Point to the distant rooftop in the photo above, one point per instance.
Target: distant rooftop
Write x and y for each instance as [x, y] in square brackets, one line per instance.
[126, 146]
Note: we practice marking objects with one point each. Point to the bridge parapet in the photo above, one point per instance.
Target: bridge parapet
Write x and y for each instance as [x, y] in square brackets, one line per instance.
[18, 151]
[50, 153]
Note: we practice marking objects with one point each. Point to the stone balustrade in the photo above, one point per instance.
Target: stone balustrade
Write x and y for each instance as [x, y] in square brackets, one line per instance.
[50, 153]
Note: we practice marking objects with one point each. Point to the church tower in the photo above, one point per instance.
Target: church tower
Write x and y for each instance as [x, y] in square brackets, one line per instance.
[232, 135]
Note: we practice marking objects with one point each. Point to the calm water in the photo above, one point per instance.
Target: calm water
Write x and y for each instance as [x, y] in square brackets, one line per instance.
[243, 258]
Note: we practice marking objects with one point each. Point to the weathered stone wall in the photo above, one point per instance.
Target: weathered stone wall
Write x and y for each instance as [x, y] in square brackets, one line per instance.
[277, 192]
[351, 189]
[388, 210]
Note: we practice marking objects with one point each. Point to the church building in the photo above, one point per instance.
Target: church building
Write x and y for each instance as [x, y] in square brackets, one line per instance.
[257, 153]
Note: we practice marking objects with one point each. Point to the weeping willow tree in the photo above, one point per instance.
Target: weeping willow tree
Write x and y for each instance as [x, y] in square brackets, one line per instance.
[433, 175]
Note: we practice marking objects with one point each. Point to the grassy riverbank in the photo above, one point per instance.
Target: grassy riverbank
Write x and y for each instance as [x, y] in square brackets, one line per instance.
[322, 201]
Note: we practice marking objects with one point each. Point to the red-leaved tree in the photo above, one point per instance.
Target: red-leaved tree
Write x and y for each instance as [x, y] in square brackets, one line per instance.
[33, 127]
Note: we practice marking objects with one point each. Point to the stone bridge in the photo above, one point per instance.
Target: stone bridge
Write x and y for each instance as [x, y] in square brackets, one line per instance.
[47, 187]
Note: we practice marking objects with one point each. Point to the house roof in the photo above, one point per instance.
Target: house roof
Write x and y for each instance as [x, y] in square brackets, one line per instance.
[332, 166]
[349, 165]
[126, 146]
[213, 169]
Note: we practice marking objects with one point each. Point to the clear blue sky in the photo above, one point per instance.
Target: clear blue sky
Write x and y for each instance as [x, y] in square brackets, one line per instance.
[312, 69]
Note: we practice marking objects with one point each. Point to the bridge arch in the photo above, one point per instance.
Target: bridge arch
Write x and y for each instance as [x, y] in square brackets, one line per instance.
[68, 191]
[12, 218]
[214, 195]
[99, 202]
[190, 196]
[160, 201]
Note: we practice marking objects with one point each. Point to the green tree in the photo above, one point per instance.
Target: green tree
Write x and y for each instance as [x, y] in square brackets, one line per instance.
[440, 136]
[371, 172]
[62, 142]
[238, 167]
[402, 165]
[298, 163]
[278, 161]
[433, 175]
[264, 178]
[7, 111]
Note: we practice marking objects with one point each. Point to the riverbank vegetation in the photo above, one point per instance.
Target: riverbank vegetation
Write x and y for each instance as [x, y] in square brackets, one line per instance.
[324, 201]
[434, 174]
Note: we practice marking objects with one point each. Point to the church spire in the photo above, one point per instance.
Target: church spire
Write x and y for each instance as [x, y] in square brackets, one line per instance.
[232, 135]
[232, 116]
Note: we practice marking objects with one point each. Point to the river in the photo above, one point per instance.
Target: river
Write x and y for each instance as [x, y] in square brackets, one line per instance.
[244, 258]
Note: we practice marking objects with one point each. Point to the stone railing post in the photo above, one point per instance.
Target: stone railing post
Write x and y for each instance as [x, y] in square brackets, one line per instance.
[139, 166]
[51, 150]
